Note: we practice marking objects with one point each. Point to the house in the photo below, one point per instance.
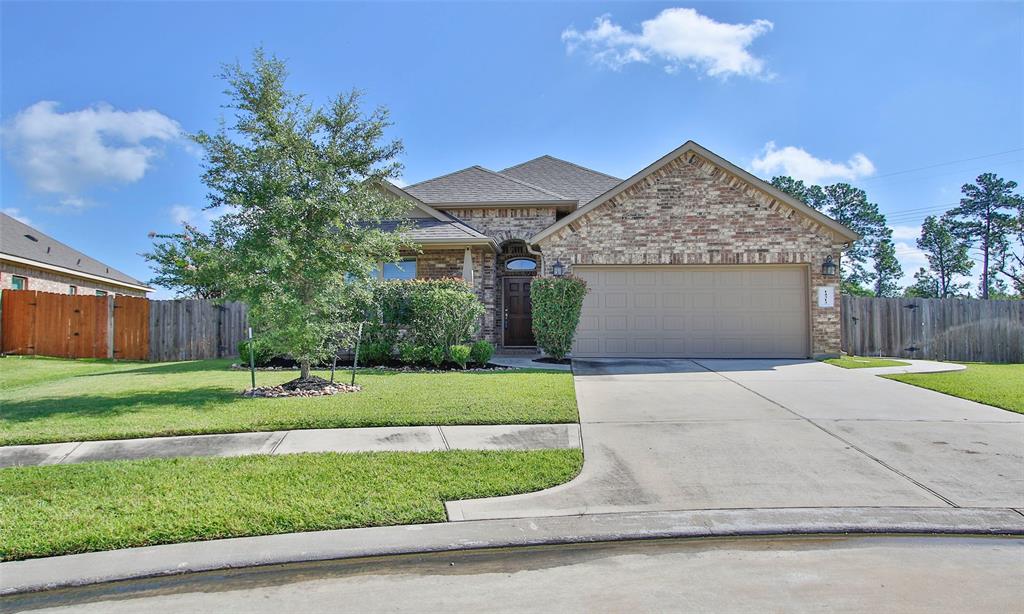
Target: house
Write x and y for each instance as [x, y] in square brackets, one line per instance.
[32, 260]
[690, 257]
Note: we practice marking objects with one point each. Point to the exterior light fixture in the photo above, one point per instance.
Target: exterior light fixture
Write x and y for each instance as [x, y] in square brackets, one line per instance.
[828, 268]
[558, 269]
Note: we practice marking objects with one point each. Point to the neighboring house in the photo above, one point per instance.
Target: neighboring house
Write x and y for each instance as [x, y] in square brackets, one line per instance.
[31, 260]
[690, 257]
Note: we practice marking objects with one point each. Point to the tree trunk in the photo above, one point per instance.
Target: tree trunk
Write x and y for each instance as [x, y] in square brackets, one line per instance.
[303, 369]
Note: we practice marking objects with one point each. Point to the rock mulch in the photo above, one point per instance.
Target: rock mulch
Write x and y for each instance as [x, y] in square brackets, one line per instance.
[312, 386]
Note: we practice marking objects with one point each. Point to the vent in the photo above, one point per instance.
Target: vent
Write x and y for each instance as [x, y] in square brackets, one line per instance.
[31, 238]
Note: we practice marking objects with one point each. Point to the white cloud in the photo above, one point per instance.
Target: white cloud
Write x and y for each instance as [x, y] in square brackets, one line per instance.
[800, 164]
[16, 214]
[678, 37]
[68, 204]
[66, 152]
[906, 233]
[193, 216]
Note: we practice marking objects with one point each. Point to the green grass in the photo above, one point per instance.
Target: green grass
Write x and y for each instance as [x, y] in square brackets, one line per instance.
[48, 400]
[64, 509]
[863, 362]
[1000, 385]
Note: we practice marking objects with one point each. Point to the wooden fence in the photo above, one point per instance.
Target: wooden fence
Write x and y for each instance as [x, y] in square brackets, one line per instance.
[938, 329]
[122, 327]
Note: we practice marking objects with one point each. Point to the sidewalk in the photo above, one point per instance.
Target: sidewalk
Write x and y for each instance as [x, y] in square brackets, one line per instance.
[380, 439]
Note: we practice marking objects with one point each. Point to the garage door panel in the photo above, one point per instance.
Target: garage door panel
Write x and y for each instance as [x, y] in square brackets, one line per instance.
[694, 311]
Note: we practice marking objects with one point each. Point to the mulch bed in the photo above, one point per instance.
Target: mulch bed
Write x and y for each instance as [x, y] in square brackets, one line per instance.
[551, 361]
[394, 365]
[311, 386]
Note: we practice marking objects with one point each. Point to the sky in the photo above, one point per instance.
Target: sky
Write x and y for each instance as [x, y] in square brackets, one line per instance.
[906, 100]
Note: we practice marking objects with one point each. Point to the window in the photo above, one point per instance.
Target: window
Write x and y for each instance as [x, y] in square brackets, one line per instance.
[72, 289]
[18, 282]
[403, 269]
[101, 293]
[521, 264]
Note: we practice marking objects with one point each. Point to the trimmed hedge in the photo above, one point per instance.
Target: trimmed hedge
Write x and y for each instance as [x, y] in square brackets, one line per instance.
[421, 319]
[557, 302]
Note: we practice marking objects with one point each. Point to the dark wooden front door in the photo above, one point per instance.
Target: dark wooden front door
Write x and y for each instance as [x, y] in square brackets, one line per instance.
[518, 310]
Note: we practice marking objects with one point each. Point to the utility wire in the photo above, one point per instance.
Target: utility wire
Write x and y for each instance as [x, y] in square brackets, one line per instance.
[922, 168]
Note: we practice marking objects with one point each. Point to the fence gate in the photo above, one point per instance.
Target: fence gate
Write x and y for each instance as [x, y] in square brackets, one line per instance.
[131, 328]
[50, 324]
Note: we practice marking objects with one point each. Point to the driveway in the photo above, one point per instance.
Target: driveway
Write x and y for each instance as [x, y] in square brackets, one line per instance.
[663, 435]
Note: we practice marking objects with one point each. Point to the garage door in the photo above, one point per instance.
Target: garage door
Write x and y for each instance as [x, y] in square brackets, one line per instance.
[699, 312]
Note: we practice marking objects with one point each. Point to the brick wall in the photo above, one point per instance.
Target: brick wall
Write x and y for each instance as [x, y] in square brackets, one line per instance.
[693, 212]
[503, 224]
[48, 281]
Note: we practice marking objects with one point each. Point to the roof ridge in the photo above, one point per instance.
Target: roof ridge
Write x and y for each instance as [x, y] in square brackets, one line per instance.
[549, 156]
[528, 184]
[461, 170]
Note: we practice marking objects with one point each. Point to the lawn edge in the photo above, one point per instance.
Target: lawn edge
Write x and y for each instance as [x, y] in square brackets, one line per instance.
[895, 377]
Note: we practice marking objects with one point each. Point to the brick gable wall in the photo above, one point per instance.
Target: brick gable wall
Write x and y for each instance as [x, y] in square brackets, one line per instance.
[692, 212]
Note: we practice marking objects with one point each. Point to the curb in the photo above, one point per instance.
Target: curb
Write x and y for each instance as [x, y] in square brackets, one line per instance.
[173, 559]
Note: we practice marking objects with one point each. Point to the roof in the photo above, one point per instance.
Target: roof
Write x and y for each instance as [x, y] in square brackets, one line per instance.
[691, 146]
[28, 245]
[571, 180]
[427, 230]
[478, 185]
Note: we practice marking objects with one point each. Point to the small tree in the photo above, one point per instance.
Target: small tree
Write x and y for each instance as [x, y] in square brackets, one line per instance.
[887, 267]
[302, 232]
[557, 303]
[188, 262]
[925, 285]
[947, 256]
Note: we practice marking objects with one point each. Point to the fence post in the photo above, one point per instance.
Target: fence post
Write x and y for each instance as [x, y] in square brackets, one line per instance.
[110, 326]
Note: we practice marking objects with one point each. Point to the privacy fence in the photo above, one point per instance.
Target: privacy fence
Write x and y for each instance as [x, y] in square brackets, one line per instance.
[122, 327]
[937, 329]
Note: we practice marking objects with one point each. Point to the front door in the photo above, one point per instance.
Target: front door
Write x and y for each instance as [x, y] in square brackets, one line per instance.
[518, 312]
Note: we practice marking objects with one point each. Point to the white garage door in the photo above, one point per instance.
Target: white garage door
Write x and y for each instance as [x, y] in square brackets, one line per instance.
[691, 311]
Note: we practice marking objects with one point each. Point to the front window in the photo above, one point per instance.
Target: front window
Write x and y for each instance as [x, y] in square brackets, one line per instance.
[101, 293]
[18, 282]
[403, 269]
[72, 289]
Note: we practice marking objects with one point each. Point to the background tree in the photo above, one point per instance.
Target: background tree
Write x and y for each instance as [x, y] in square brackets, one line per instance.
[1009, 257]
[982, 219]
[189, 263]
[848, 206]
[887, 267]
[947, 256]
[302, 234]
[926, 285]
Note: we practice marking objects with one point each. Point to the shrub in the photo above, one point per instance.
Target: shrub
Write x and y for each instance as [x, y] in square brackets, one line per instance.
[459, 354]
[410, 353]
[374, 353]
[481, 352]
[557, 302]
[261, 352]
[435, 355]
[444, 317]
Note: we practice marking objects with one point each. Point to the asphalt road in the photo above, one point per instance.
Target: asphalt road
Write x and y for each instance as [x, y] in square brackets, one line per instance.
[836, 574]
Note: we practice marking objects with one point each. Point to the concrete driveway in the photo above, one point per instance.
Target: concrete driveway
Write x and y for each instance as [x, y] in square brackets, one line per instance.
[664, 435]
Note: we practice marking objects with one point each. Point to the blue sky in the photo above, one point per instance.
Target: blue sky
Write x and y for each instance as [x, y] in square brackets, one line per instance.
[896, 98]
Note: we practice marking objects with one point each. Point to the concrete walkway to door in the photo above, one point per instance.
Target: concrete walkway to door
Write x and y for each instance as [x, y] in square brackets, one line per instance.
[661, 435]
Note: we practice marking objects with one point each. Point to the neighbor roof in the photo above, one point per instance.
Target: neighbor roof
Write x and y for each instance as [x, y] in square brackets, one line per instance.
[19, 242]
[478, 185]
[715, 159]
[571, 180]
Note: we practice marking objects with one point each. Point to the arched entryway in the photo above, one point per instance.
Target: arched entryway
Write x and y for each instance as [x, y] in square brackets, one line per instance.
[516, 269]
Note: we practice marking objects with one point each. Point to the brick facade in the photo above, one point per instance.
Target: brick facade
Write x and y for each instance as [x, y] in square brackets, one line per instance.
[48, 281]
[507, 223]
[691, 211]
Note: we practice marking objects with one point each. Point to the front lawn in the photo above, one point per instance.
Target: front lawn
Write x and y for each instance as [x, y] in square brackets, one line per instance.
[49, 400]
[64, 509]
[1000, 385]
[864, 362]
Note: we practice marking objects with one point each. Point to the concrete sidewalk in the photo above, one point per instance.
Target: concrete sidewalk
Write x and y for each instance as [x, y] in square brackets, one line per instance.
[379, 439]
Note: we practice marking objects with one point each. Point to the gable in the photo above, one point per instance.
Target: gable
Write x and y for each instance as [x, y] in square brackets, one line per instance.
[720, 173]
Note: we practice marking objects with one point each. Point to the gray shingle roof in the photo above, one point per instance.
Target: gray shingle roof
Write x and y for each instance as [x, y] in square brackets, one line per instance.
[480, 185]
[574, 181]
[429, 229]
[16, 239]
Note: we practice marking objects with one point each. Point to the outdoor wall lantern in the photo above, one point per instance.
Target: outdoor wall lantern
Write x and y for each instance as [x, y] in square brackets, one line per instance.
[558, 269]
[828, 268]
